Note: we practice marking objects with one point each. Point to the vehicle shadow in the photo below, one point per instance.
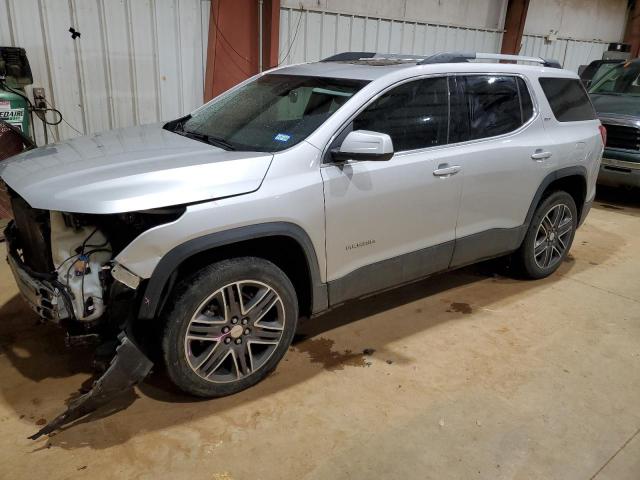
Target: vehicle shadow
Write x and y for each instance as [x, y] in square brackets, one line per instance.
[622, 200]
[38, 354]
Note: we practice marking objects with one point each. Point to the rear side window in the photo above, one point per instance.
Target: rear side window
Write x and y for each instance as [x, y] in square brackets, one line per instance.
[488, 105]
[414, 114]
[568, 99]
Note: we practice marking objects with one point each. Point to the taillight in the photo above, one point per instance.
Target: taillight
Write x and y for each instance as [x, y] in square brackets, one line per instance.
[603, 134]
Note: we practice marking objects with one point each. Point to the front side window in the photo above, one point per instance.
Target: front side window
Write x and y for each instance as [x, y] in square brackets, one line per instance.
[272, 113]
[414, 114]
[568, 99]
[488, 105]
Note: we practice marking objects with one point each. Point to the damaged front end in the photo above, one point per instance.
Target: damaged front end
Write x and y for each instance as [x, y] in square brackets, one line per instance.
[64, 268]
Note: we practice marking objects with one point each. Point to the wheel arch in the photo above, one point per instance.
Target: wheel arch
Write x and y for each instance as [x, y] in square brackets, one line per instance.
[573, 180]
[297, 259]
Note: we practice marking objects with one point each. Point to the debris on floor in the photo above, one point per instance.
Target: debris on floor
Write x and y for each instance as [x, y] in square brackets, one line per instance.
[128, 368]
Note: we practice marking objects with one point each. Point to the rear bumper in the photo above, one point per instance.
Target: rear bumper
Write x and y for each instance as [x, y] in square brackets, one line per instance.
[42, 291]
[616, 173]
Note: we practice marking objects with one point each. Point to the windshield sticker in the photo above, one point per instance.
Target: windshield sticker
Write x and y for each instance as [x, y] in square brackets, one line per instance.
[282, 137]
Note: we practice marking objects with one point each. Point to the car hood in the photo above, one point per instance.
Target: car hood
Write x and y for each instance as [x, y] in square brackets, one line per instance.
[628, 105]
[131, 169]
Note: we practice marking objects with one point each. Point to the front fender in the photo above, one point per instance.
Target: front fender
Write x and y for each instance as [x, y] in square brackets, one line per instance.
[161, 277]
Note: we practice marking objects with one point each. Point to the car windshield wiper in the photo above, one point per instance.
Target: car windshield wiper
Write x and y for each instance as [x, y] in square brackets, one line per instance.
[210, 139]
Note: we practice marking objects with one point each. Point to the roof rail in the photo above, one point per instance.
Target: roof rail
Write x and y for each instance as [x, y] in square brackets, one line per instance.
[447, 57]
[458, 57]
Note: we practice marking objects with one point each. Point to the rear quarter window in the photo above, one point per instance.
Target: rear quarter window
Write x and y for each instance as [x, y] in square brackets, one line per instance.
[568, 99]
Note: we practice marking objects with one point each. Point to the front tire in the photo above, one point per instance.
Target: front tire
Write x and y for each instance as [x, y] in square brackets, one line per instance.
[230, 325]
[549, 236]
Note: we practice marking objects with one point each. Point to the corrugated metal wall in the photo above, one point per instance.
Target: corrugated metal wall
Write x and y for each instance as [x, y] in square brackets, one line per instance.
[309, 35]
[569, 52]
[136, 61]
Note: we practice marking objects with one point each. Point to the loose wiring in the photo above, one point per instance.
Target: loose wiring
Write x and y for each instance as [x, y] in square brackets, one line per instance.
[62, 119]
[86, 259]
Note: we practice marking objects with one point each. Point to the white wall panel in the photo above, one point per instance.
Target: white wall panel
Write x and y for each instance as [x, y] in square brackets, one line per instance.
[309, 35]
[583, 19]
[137, 61]
[570, 53]
[473, 13]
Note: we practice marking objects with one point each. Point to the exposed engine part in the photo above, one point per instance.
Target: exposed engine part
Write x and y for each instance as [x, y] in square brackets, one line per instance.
[79, 255]
[128, 368]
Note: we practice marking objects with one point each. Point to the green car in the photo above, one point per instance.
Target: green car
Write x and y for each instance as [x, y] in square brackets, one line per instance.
[616, 98]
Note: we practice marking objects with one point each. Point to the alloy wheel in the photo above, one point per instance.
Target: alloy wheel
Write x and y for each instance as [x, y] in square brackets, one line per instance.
[553, 236]
[234, 331]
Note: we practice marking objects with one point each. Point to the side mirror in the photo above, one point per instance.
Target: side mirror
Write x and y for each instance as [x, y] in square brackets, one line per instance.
[364, 145]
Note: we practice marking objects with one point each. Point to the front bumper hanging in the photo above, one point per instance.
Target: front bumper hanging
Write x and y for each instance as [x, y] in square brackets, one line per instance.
[128, 368]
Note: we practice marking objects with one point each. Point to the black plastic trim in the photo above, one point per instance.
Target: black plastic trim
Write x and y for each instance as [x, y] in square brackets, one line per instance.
[348, 56]
[391, 273]
[488, 244]
[153, 295]
[340, 157]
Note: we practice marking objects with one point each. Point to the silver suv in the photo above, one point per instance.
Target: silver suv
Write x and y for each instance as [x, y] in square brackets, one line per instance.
[206, 238]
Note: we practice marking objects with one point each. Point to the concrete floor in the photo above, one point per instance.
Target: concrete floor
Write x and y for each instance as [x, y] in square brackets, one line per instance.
[473, 376]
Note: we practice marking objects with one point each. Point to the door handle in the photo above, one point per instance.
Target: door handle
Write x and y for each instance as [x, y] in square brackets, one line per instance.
[444, 170]
[540, 154]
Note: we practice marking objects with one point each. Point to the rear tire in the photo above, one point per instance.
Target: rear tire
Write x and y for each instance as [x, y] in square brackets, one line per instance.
[548, 238]
[230, 325]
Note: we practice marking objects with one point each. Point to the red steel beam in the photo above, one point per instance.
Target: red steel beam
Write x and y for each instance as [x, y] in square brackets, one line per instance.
[232, 50]
[514, 26]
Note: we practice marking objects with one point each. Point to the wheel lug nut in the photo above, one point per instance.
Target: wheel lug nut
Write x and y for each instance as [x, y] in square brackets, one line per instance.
[227, 340]
[247, 331]
[238, 341]
[245, 321]
[225, 329]
[234, 320]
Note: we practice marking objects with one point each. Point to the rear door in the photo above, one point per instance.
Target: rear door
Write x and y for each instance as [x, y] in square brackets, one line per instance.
[503, 154]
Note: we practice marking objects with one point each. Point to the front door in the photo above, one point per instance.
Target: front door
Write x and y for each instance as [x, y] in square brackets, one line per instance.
[390, 222]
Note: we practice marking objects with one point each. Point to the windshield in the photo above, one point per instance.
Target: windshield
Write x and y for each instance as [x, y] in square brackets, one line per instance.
[624, 79]
[272, 113]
